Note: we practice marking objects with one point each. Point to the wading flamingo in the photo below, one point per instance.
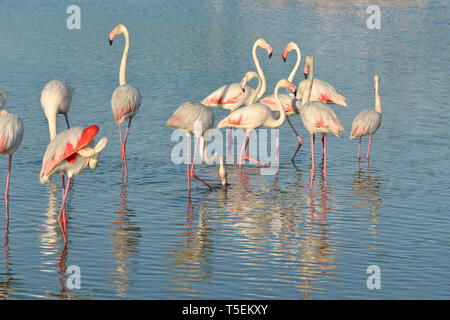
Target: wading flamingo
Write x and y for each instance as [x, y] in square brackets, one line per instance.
[255, 115]
[11, 133]
[287, 100]
[56, 97]
[318, 117]
[126, 99]
[368, 121]
[231, 96]
[187, 117]
[71, 152]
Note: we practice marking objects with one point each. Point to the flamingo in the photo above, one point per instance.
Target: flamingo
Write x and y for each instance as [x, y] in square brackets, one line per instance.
[126, 99]
[255, 115]
[318, 117]
[287, 100]
[231, 96]
[11, 134]
[368, 121]
[187, 117]
[56, 97]
[71, 152]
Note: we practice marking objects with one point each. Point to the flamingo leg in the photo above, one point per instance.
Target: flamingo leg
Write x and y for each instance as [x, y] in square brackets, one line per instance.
[247, 139]
[188, 166]
[63, 220]
[121, 148]
[7, 190]
[242, 150]
[368, 149]
[67, 121]
[313, 136]
[193, 164]
[125, 150]
[230, 137]
[359, 149]
[300, 141]
[324, 141]
[277, 145]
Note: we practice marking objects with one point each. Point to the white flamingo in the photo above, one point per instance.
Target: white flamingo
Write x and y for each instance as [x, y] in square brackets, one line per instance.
[318, 117]
[11, 134]
[186, 117]
[71, 152]
[368, 121]
[126, 99]
[255, 115]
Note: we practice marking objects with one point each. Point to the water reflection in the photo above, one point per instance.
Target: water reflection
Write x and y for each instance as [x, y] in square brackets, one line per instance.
[7, 280]
[190, 255]
[125, 240]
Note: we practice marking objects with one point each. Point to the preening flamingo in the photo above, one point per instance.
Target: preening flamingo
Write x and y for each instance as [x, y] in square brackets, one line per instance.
[287, 100]
[11, 133]
[56, 97]
[126, 99]
[186, 117]
[368, 121]
[256, 115]
[71, 152]
[231, 96]
[318, 117]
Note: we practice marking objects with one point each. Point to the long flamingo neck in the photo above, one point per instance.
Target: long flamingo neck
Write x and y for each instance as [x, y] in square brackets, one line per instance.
[307, 93]
[282, 118]
[377, 100]
[262, 90]
[3, 100]
[297, 64]
[213, 156]
[52, 127]
[254, 96]
[123, 63]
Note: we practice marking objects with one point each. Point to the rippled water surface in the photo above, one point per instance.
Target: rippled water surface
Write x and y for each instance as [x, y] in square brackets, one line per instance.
[264, 236]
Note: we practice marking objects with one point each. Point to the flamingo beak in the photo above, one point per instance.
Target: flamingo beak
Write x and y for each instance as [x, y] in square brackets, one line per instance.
[284, 54]
[306, 75]
[110, 42]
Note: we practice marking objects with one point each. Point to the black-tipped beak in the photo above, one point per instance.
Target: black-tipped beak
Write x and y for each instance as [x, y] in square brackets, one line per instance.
[270, 55]
[243, 89]
[306, 75]
[295, 93]
[110, 42]
[284, 59]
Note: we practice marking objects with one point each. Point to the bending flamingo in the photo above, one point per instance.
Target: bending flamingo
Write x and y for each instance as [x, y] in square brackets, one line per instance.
[126, 99]
[195, 118]
[318, 117]
[56, 97]
[287, 100]
[368, 121]
[256, 115]
[71, 152]
[11, 133]
[231, 96]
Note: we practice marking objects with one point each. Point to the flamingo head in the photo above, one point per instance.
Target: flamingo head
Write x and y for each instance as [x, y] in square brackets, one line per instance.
[265, 45]
[119, 29]
[223, 173]
[248, 76]
[376, 81]
[289, 85]
[308, 62]
[290, 46]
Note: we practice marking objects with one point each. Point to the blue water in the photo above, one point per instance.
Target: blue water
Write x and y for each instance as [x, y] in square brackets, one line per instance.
[264, 236]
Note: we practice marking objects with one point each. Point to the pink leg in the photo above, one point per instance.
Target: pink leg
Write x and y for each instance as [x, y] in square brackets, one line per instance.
[193, 164]
[230, 137]
[313, 137]
[300, 142]
[62, 210]
[368, 149]
[277, 145]
[324, 141]
[247, 137]
[125, 150]
[242, 150]
[121, 148]
[359, 149]
[7, 190]
[188, 166]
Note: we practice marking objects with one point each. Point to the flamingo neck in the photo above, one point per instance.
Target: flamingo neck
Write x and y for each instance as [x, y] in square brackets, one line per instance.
[52, 127]
[377, 100]
[279, 122]
[222, 171]
[254, 96]
[307, 93]
[262, 90]
[123, 63]
[3, 99]
[297, 64]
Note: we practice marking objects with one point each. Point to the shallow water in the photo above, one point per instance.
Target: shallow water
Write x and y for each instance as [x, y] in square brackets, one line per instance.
[265, 236]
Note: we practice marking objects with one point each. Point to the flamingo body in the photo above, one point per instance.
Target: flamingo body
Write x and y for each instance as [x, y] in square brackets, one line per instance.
[366, 123]
[287, 101]
[125, 102]
[188, 113]
[248, 117]
[229, 97]
[317, 117]
[321, 91]
[11, 133]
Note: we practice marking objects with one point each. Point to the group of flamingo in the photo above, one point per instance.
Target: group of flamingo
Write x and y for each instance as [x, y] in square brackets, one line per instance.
[72, 150]
[311, 99]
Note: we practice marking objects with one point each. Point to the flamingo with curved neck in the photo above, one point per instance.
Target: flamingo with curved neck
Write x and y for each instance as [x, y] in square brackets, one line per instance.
[126, 99]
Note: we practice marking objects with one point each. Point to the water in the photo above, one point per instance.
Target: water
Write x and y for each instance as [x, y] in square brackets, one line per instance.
[263, 236]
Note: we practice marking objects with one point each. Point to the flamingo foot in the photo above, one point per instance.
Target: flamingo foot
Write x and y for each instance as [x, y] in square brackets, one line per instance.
[195, 177]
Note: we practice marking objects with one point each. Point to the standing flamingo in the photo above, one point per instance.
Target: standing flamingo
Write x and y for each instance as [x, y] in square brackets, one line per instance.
[368, 121]
[71, 152]
[126, 99]
[318, 117]
[287, 100]
[56, 97]
[11, 133]
[256, 115]
[231, 96]
[187, 117]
